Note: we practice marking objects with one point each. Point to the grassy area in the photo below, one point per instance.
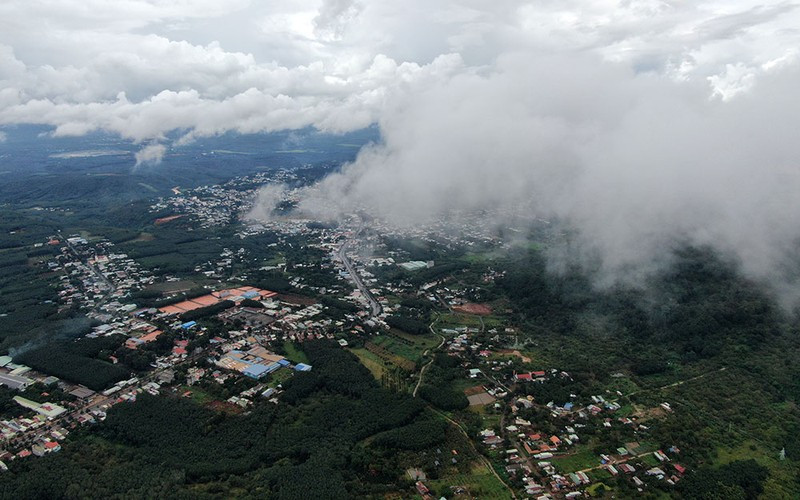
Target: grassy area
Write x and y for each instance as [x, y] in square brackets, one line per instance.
[624, 411]
[455, 319]
[623, 384]
[480, 483]
[173, 286]
[426, 340]
[198, 395]
[373, 363]
[274, 261]
[781, 474]
[489, 419]
[593, 489]
[294, 354]
[650, 459]
[582, 458]
[404, 345]
[280, 376]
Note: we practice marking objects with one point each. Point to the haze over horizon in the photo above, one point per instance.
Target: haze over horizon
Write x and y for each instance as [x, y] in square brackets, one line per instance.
[638, 122]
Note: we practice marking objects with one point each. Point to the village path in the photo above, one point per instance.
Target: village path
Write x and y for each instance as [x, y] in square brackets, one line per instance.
[483, 459]
[463, 432]
[422, 371]
[676, 384]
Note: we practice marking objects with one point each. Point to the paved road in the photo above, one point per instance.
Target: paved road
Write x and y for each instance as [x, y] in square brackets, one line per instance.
[375, 307]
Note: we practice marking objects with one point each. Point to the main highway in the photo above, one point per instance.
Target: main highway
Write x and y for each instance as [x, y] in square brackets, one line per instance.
[375, 307]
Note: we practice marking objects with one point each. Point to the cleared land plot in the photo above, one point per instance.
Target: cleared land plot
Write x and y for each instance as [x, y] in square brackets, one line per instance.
[404, 345]
[473, 308]
[278, 377]
[580, 459]
[374, 364]
[388, 356]
[294, 354]
[479, 483]
[480, 399]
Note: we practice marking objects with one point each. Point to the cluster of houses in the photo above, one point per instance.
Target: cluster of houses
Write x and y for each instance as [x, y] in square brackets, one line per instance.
[220, 204]
[95, 277]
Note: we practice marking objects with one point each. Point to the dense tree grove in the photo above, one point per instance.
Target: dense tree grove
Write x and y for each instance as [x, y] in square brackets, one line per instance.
[409, 325]
[77, 361]
[740, 479]
[437, 391]
[205, 312]
[306, 447]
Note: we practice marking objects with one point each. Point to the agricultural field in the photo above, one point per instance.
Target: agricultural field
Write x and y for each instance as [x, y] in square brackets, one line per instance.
[372, 361]
[389, 357]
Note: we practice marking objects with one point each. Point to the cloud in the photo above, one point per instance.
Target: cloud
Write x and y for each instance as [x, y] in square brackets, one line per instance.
[333, 17]
[637, 122]
[151, 154]
[267, 199]
[634, 162]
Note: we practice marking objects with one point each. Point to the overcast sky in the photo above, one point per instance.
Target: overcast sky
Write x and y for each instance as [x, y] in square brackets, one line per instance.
[638, 121]
[144, 67]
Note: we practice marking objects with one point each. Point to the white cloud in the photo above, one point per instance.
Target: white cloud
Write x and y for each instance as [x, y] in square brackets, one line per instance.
[637, 120]
[151, 154]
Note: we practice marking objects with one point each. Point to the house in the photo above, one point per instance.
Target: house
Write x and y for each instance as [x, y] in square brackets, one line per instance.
[52, 446]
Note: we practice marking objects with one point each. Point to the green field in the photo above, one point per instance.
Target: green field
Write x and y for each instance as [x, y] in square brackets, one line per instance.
[480, 483]
[279, 376]
[198, 395]
[582, 458]
[407, 346]
[294, 354]
[650, 459]
[373, 363]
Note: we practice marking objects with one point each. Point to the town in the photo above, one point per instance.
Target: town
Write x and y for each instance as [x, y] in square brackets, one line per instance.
[418, 324]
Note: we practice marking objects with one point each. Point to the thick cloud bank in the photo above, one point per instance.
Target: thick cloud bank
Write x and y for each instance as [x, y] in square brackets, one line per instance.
[633, 161]
[639, 122]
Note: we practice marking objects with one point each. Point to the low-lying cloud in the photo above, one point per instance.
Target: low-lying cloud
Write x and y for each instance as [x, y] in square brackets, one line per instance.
[151, 154]
[639, 123]
[633, 161]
